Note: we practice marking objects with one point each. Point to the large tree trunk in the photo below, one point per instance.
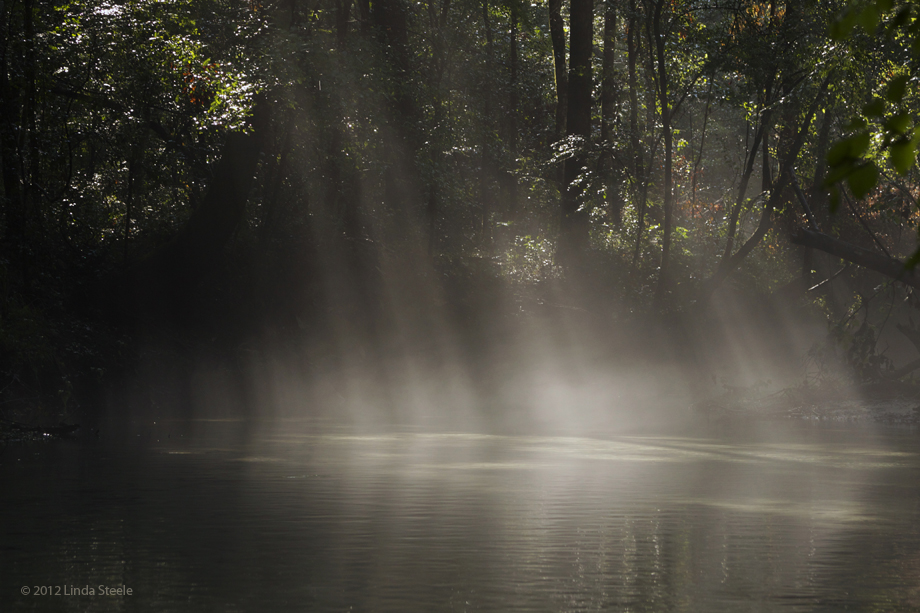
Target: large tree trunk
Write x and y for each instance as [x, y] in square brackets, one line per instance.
[401, 135]
[12, 126]
[611, 172]
[509, 179]
[14, 216]
[638, 166]
[664, 103]
[557, 35]
[608, 81]
[391, 18]
[342, 13]
[573, 239]
[818, 193]
[437, 21]
[364, 16]
[486, 199]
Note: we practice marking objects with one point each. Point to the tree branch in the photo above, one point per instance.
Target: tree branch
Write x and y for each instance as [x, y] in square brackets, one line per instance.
[729, 264]
[804, 202]
[888, 266]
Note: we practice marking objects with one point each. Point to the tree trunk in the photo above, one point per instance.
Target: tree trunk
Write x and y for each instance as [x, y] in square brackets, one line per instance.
[557, 35]
[402, 135]
[742, 191]
[664, 103]
[364, 16]
[14, 217]
[509, 178]
[638, 166]
[16, 121]
[573, 239]
[342, 12]
[699, 156]
[486, 165]
[728, 265]
[391, 19]
[437, 20]
[766, 183]
[611, 172]
[818, 193]
[608, 82]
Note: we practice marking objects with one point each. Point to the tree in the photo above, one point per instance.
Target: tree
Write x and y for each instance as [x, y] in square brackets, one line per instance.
[573, 232]
[664, 103]
[557, 34]
[787, 97]
[850, 158]
[881, 141]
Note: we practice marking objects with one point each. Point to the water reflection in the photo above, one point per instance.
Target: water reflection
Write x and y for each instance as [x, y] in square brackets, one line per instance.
[306, 517]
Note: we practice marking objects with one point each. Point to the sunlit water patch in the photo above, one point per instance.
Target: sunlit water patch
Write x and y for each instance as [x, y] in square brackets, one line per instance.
[302, 517]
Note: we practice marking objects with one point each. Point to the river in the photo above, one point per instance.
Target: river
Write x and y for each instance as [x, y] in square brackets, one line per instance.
[228, 516]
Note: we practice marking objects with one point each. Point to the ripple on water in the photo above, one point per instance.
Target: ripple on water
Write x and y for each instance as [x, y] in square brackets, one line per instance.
[401, 521]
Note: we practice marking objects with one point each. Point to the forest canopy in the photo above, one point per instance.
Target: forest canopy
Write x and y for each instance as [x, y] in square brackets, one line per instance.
[213, 165]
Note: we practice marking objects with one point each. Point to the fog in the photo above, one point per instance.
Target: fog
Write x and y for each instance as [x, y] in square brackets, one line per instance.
[397, 342]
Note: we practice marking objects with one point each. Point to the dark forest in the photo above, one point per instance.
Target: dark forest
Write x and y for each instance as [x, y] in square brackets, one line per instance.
[338, 183]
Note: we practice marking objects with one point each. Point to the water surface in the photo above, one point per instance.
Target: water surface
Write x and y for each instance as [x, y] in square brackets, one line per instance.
[301, 516]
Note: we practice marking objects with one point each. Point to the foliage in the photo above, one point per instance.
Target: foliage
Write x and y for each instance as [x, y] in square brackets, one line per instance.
[886, 124]
[425, 132]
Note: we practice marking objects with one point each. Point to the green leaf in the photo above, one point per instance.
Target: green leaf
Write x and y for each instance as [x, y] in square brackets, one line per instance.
[843, 26]
[903, 154]
[913, 28]
[838, 153]
[857, 123]
[899, 123]
[862, 179]
[901, 17]
[850, 148]
[897, 86]
[869, 19]
[837, 174]
[883, 6]
[875, 108]
[859, 144]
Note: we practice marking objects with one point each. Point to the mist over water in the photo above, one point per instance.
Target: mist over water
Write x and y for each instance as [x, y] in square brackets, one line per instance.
[484, 357]
[469, 448]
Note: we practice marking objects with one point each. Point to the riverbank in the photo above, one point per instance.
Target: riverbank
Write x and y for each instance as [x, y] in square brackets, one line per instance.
[884, 402]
